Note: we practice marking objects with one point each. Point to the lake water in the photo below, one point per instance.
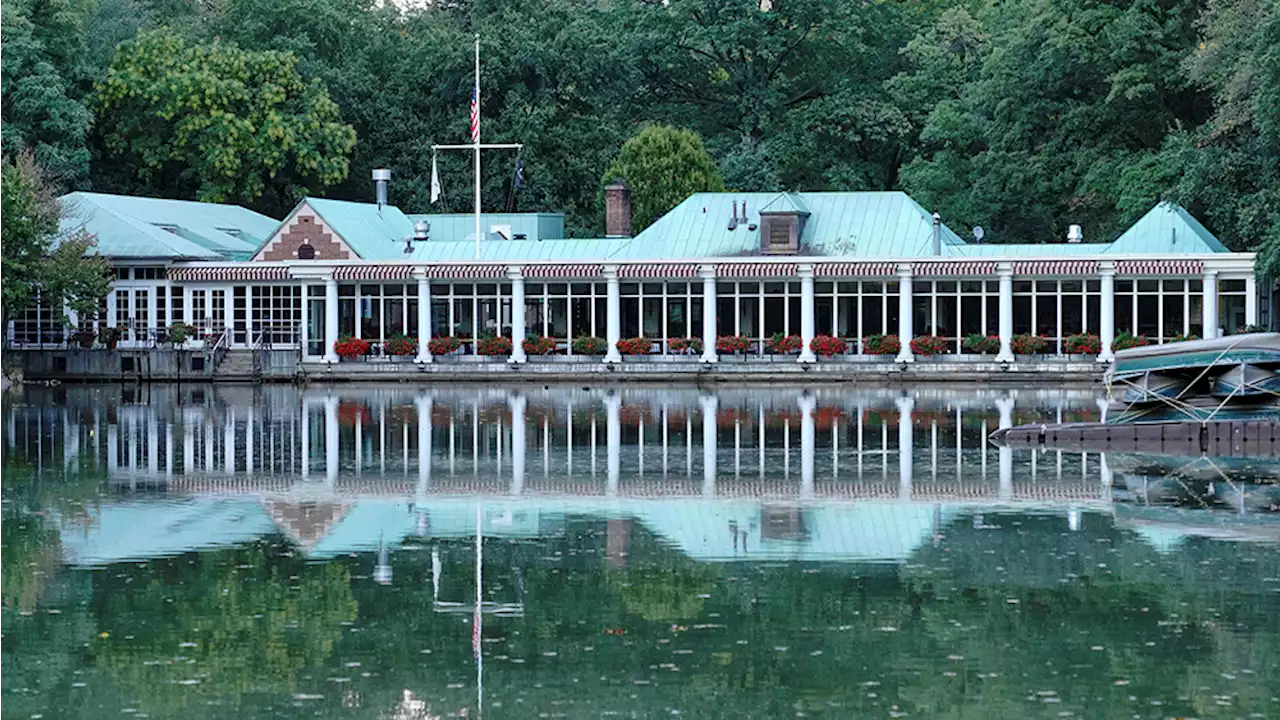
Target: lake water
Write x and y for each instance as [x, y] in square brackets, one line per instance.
[524, 552]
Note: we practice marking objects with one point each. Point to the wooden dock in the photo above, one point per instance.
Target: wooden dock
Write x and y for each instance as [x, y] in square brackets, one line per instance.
[1221, 438]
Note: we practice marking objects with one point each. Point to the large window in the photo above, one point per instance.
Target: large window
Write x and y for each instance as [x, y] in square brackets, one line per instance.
[758, 310]
[1057, 309]
[661, 310]
[855, 310]
[1231, 302]
[470, 310]
[40, 324]
[1159, 309]
[376, 312]
[277, 313]
[564, 311]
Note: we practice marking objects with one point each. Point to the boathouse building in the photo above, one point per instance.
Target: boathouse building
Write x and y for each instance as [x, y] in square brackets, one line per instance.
[851, 265]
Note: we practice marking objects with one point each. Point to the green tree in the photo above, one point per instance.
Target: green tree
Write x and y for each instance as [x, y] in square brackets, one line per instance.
[1230, 166]
[217, 123]
[663, 166]
[43, 83]
[36, 258]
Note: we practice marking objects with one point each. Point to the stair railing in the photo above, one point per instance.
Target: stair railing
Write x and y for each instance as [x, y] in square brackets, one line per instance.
[220, 349]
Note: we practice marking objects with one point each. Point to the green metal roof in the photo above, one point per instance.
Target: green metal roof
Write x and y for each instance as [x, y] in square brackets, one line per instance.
[856, 224]
[461, 227]
[786, 202]
[371, 232]
[124, 226]
[1166, 229]
[1026, 250]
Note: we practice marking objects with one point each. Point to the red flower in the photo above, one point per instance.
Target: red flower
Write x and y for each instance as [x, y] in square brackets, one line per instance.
[535, 345]
[685, 346]
[493, 346]
[732, 344]
[783, 344]
[350, 347]
[882, 345]
[443, 345]
[930, 345]
[635, 346]
[827, 345]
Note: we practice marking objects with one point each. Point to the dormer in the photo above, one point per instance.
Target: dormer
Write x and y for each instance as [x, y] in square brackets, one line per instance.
[782, 222]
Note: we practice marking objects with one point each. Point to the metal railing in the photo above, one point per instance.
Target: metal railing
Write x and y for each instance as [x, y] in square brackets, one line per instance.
[219, 349]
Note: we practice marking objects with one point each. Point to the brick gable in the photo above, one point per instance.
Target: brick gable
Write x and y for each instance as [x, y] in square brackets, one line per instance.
[305, 229]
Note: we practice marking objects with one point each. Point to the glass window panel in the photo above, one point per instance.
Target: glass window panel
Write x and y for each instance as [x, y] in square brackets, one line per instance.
[1073, 286]
[652, 288]
[874, 287]
[1173, 315]
[824, 315]
[1093, 285]
[749, 287]
[1021, 314]
[1195, 285]
[1047, 316]
[557, 318]
[793, 288]
[371, 318]
[464, 289]
[1173, 285]
[651, 325]
[725, 288]
[1094, 303]
[1072, 314]
[775, 316]
[1231, 286]
[824, 287]
[535, 316]
[922, 315]
[847, 287]
[922, 287]
[793, 315]
[946, 286]
[487, 289]
[971, 286]
[1148, 286]
[392, 290]
[581, 319]
[1022, 286]
[1124, 314]
[346, 316]
[599, 318]
[489, 321]
[678, 318]
[393, 316]
[946, 320]
[630, 307]
[993, 286]
[1196, 315]
[725, 316]
[1124, 286]
[346, 290]
[775, 288]
[464, 318]
[580, 288]
[558, 289]
[678, 288]
[1148, 316]
[629, 289]
[1046, 286]
[992, 326]
[847, 317]
[970, 314]
[872, 314]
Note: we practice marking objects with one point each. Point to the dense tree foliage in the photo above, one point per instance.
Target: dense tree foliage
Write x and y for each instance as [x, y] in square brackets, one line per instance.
[1021, 116]
[663, 165]
[36, 258]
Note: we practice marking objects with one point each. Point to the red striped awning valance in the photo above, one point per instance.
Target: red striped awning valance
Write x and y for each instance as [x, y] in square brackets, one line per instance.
[855, 269]
[562, 271]
[755, 270]
[658, 270]
[373, 272]
[1055, 267]
[1159, 267]
[235, 273]
[961, 268]
[467, 272]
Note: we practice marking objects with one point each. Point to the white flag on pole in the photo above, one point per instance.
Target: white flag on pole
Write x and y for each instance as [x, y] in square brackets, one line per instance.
[435, 180]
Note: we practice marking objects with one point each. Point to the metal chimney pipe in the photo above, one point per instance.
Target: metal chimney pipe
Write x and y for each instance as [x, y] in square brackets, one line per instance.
[744, 211]
[937, 235]
[381, 176]
[1075, 234]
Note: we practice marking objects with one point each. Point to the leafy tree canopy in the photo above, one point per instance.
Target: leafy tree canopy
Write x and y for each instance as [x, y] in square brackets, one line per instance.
[663, 166]
[230, 125]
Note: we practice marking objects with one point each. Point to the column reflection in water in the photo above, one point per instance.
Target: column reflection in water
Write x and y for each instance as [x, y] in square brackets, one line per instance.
[423, 405]
[1005, 405]
[613, 439]
[331, 440]
[708, 403]
[808, 437]
[516, 403]
[905, 446]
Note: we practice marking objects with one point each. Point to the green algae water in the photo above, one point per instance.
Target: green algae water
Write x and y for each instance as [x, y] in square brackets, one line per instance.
[527, 552]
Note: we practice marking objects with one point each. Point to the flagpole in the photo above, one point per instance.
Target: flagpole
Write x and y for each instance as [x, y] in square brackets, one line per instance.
[477, 143]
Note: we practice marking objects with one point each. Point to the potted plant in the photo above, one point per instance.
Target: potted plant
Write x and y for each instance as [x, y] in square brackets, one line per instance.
[84, 338]
[110, 337]
[1082, 344]
[589, 345]
[400, 347]
[1028, 344]
[1183, 338]
[685, 346]
[980, 344]
[493, 346]
[443, 345]
[781, 344]
[1252, 329]
[929, 345]
[539, 345]
[179, 333]
[1126, 340]
[732, 344]
[635, 346]
[828, 346]
[881, 344]
[351, 348]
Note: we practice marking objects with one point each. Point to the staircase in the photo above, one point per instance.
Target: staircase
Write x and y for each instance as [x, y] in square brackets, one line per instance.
[235, 365]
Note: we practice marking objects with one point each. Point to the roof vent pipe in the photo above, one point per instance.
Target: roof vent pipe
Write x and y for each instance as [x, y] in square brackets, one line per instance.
[733, 219]
[381, 176]
[1075, 234]
[744, 210]
[937, 235]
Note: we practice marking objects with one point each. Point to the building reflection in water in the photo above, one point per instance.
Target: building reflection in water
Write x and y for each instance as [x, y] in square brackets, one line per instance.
[746, 472]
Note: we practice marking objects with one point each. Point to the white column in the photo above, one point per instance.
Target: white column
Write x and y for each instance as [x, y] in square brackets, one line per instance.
[516, 403]
[331, 440]
[613, 315]
[424, 319]
[906, 442]
[709, 330]
[516, 277]
[709, 404]
[423, 403]
[808, 439]
[1004, 271]
[113, 319]
[1210, 304]
[1107, 323]
[330, 320]
[613, 438]
[806, 313]
[905, 333]
[1250, 299]
[1005, 405]
[229, 442]
[304, 431]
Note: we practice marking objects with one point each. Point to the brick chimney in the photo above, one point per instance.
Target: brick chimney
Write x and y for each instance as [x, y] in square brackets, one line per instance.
[617, 209]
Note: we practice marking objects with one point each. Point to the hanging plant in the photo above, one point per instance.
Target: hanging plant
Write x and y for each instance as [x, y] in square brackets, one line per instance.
[780, 344]
[589, 345]
[828, 345]
[882, 345]
[1082, 344]
[685, 346]
[351, 347]
[930, 345]
[732, 344]
[1028, 344]
[493, 346]
[635, 346]
[401, 345]
[539, 345]
[982, 344]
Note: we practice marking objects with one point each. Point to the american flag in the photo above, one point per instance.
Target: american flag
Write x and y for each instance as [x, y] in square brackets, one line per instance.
[475, 112]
